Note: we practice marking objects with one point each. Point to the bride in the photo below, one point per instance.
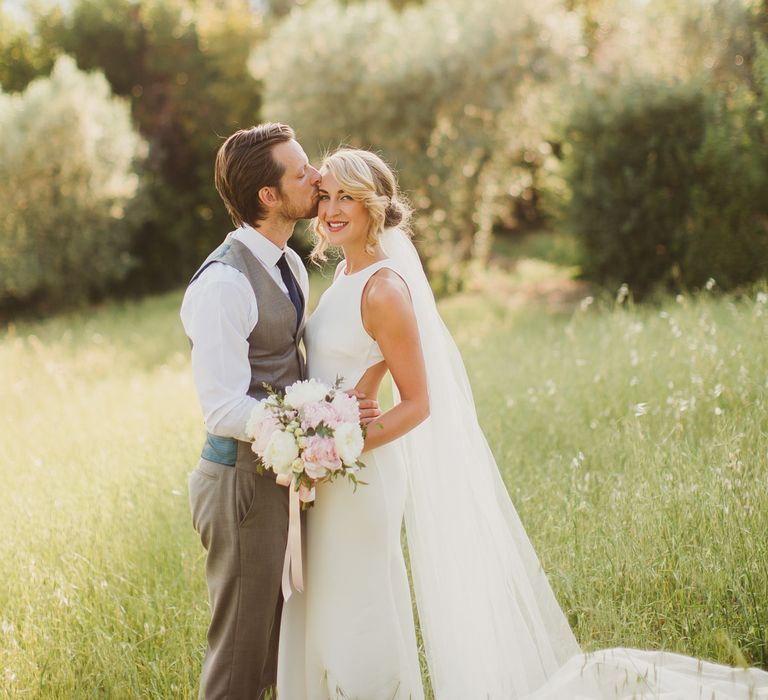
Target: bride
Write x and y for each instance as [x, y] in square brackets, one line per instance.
[491, 626]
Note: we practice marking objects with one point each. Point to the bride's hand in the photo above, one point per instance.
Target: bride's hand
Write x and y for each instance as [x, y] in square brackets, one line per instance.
[369, 408]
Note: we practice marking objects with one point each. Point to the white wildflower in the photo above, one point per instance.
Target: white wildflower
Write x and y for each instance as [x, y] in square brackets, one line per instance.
[640, 409]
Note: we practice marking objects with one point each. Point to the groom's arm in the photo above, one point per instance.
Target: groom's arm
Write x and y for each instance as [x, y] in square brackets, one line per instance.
[219, 312]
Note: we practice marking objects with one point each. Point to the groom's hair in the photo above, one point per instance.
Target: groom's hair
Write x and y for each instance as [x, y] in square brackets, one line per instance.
[244, 164]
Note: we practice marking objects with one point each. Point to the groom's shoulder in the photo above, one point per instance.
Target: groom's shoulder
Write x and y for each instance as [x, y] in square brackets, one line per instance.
[218, 255]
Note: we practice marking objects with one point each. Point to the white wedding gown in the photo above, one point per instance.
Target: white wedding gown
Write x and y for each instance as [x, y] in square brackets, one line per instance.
[491, 625]
[355, 615]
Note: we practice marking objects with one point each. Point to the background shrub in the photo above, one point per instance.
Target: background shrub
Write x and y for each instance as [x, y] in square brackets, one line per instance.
[67, 166]
[669, 185]
[631, 159]
[727, 233]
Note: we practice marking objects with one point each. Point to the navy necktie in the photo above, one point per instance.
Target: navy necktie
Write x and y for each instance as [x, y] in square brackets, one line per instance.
[293, 288]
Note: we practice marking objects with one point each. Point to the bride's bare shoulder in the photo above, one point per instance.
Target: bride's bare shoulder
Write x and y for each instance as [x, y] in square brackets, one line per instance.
[386, 287]
[386, 302]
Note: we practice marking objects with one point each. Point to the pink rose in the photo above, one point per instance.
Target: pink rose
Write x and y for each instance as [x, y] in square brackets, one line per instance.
[318, 412]
[320, 456]
[306, 494]
[262, 431]
[346, 408]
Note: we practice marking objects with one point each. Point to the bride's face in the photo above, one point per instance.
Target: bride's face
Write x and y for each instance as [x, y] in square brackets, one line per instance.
[344, 220]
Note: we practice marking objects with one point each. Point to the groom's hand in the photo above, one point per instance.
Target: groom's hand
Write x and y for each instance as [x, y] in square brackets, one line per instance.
[369, 408]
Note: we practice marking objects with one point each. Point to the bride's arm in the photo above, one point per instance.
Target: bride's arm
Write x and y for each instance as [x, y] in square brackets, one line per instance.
[389, 319]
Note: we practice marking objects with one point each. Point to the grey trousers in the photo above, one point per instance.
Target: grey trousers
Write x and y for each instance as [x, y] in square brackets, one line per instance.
[242, 520]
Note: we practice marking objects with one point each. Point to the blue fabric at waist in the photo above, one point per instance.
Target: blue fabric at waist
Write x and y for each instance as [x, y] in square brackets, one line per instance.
[221, 450]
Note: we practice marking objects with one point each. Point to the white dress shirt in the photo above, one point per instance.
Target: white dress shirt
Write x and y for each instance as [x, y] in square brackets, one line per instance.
[219, 312]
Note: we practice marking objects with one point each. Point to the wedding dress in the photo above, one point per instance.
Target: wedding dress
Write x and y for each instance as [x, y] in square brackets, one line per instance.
[358, 628]
[491, 625]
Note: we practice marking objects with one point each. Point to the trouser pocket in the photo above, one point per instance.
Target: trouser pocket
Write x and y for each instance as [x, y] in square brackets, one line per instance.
[245, 494]
[204, 485]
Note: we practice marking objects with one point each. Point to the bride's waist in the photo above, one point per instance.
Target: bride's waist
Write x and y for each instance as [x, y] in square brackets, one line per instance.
[329, 374]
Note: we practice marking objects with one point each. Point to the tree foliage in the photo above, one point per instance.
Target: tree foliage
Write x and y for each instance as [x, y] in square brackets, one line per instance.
[472, 103]
[445, 90]
[67, 164]
[24, 55]
[183, 65]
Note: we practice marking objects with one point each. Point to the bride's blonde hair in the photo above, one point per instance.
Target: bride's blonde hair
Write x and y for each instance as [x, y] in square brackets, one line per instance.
[366, 178]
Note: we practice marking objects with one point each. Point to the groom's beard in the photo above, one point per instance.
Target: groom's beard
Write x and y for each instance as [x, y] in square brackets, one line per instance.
[293, 212]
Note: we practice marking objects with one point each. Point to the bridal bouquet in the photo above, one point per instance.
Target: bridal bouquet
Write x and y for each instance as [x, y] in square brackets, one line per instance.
[309, 435]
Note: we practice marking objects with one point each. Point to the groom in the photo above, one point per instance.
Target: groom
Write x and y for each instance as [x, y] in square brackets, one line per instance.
[244, 313]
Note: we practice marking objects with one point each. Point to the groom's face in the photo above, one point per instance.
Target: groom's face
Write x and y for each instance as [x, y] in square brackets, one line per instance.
[299, 184]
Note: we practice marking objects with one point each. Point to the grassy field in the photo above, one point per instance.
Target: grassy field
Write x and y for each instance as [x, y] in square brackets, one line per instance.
[634, 442]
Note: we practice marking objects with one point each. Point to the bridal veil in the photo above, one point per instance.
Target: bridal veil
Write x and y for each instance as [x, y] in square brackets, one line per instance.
[491, 625]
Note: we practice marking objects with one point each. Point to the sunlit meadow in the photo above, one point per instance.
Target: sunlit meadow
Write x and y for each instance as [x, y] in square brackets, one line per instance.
[634, 442]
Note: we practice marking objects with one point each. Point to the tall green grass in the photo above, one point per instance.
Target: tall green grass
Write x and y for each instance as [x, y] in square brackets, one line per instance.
[634, 442]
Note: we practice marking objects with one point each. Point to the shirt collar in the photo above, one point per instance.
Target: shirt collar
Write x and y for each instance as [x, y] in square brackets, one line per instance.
[258, 244]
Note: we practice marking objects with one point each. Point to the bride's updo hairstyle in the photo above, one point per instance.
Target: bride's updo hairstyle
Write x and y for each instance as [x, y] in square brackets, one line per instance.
[368, 179]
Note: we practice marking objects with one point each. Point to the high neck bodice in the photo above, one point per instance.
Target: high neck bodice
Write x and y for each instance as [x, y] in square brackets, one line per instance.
[337, 343]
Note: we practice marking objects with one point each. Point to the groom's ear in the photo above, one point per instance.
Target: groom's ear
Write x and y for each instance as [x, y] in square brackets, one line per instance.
[268, 197]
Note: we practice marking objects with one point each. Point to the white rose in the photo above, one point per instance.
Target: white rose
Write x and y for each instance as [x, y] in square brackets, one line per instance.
[349, 442]
[258, 413]
[308, 391]
[281, 451]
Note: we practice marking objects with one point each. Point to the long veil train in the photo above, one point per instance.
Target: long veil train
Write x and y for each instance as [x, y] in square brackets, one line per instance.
[491, 625]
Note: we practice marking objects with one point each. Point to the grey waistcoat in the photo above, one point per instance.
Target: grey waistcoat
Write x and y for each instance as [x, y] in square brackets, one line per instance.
[273, 345]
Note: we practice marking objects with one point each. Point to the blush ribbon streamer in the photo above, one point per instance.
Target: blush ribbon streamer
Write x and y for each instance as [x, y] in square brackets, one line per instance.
[292, 566]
